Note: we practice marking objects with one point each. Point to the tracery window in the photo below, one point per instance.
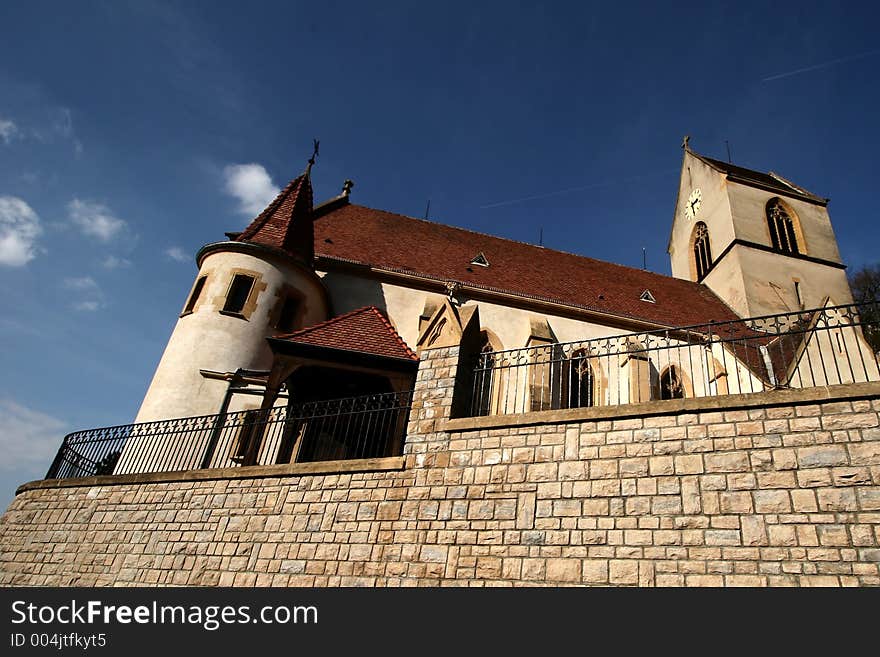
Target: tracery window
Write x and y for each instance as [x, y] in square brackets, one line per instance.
[486, 374]
[702, 250]
[580, 381]
[782, 228]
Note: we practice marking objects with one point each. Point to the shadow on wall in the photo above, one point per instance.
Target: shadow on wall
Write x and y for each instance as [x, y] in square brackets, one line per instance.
[349, 293]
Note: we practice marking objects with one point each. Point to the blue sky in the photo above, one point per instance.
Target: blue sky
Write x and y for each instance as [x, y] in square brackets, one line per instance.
[133, 133]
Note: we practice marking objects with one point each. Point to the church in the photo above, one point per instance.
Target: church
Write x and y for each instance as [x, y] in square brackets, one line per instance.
[331, 301]
[352, 397]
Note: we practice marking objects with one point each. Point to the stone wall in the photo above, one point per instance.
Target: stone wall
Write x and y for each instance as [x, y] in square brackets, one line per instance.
[775, 489]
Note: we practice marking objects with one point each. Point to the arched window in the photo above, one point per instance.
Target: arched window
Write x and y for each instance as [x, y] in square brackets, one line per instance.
[782, 229]
[580, 381]
[671, 383]
[485, 374]
[702, 251]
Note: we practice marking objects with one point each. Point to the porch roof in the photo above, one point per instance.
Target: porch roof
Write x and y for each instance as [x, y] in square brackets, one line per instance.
[365, 332]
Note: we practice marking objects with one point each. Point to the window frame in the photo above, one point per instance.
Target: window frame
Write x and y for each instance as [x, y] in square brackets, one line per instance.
[195, 295]
[225, 310]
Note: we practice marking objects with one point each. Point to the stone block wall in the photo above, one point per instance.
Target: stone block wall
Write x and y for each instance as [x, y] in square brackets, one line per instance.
[778, 489]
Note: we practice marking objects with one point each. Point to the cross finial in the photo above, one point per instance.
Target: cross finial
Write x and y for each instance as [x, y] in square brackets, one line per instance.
[684, 142]
[315, 144]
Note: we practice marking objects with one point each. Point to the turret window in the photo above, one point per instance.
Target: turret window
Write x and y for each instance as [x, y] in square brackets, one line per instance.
[287, 317]
[239, 291]
[702, 250]
[782, 228]
[194, 295]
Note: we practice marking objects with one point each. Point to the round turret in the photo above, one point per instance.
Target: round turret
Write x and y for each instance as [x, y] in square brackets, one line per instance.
[260, 284]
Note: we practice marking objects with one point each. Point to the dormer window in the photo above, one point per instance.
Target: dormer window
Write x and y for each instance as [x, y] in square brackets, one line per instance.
[647, 296]
[481, 260]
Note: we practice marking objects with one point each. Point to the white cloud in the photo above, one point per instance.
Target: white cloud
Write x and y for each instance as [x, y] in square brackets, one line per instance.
[89, 295]
[19, 230]
[84, 284]
[176, 253]
[114, 262]
[8, 130]
[58, 128]
[95, 219]
[251, 184]
[28, 439]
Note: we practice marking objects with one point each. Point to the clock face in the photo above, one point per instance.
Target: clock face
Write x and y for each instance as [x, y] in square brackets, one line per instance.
[693, 203]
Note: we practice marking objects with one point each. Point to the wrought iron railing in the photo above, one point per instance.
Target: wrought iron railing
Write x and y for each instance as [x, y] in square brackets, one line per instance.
[824, 346]
[352, 428]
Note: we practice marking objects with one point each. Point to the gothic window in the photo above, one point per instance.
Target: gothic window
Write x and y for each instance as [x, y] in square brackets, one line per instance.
[194, 296]
[702, 251]
[580, 381]
[239, 291]
[485, 374]
[672, 383]
[782, 228]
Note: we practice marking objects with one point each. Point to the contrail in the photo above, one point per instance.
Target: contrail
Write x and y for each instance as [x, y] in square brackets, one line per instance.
[816, 67]
[607, 183]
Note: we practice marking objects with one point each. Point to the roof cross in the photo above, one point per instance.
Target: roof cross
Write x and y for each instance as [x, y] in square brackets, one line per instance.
[315, 144]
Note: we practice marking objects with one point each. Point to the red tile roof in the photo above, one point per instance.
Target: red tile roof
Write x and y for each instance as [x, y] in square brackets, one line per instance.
[286, 223]
[395, 242]
[365, 330]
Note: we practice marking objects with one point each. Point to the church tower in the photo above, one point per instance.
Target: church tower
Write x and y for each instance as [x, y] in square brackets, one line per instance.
[760, 242]
[259, 284]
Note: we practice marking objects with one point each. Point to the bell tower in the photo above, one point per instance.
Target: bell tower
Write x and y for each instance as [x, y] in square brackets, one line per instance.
[760, 242]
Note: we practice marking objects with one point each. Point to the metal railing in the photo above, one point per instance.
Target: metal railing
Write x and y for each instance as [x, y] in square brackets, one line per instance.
[362, 427]
[824, 346]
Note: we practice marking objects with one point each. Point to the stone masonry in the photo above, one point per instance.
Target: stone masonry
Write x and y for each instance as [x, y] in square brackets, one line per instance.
[778, 489]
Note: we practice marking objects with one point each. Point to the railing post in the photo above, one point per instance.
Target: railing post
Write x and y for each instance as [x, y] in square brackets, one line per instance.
[218, 427]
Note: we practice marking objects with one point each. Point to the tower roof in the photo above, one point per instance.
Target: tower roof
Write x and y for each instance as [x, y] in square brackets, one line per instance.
[770, 180]
[286, 223]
